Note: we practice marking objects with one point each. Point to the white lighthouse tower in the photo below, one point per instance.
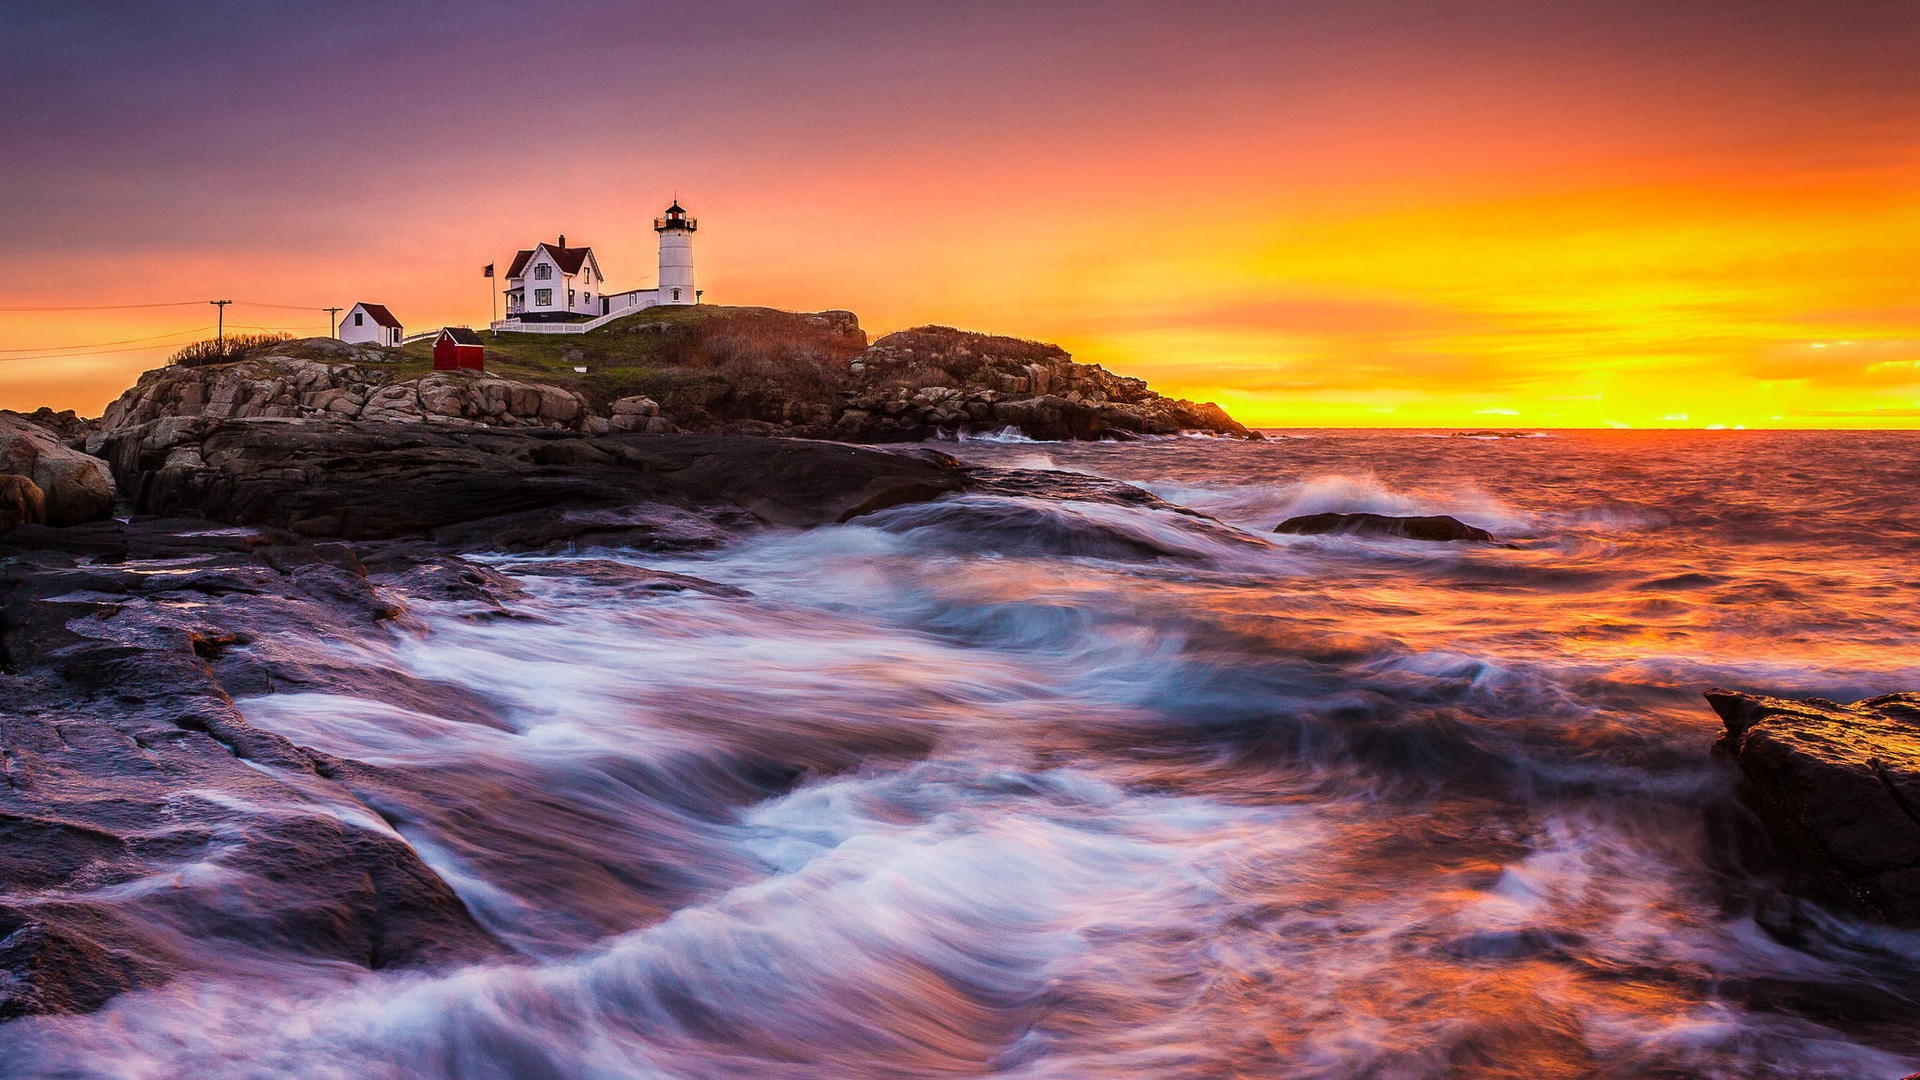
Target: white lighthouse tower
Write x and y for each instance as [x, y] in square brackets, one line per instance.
[676, 255]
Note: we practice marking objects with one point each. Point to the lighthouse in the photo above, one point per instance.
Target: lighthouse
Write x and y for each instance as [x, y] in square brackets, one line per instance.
[676, 255]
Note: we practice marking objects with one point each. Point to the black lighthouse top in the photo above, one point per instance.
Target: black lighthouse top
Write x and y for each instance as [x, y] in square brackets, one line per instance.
[676, 219]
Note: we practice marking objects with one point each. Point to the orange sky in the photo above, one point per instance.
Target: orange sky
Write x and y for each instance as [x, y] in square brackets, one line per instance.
[1445, 214]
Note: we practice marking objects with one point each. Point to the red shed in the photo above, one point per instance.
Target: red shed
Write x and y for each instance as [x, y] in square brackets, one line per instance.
[458, 347]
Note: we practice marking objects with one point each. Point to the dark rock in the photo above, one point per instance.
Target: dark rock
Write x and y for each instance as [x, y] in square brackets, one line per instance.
[123, 759]
[930, 380]
[54, 960]
[1437, 527]
[627, 577]
[363, 481]
[1062, 486]
[1838, 788]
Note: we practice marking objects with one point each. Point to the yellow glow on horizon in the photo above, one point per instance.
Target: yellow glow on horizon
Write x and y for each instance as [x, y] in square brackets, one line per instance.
[1786, 300]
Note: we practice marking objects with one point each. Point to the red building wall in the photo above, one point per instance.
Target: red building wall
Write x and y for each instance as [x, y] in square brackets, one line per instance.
[449, 355]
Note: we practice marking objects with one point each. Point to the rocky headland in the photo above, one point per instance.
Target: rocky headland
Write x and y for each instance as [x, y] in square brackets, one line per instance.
[735, 371]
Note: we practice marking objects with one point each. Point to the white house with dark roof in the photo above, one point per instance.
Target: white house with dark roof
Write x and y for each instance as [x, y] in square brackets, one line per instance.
[370, 324]
[554, 283]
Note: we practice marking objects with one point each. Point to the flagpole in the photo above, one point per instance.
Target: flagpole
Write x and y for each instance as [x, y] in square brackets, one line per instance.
[493, 295]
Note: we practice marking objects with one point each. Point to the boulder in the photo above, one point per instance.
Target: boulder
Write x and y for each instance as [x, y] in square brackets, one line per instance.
[1435, 527]
[21, 502]
[320, 382]
[1838, 788]
[75, 486]
[65, 424]
[934, 380]
[637, 414]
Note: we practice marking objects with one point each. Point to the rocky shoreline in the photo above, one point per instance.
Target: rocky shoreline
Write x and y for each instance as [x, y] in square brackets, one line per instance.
[123, 758]
[253, 500]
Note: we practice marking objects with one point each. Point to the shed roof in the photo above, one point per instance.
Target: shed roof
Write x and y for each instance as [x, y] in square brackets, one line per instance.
[380, 314]
[461, 335]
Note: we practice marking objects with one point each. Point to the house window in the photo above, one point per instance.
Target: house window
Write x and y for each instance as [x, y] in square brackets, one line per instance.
[569, 297]
[588, 298]
[359, 319]
[543, 272]
[543, 298]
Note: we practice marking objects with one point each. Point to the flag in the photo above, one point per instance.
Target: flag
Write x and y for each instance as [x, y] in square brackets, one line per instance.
[488, 272]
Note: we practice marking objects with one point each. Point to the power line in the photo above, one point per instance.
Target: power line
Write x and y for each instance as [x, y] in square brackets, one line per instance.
[283, 307]
[104, 344]
[105, 307]
[107, 352]
[175, 303]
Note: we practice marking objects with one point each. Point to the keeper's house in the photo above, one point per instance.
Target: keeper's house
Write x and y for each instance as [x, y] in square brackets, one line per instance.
[554, 283]
[557, 283]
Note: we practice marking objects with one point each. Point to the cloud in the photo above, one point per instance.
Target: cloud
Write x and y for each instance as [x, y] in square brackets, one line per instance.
[1888, 412]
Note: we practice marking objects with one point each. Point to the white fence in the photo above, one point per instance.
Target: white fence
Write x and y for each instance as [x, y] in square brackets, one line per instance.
[514, 327]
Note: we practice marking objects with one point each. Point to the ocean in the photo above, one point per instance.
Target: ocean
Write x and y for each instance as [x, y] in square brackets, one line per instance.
[1033, 787]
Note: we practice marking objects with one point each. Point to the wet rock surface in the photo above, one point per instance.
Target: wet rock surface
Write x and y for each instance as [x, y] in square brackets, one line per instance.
[139, 810]
[1438, 528]
[141, 813]
[1838, 788]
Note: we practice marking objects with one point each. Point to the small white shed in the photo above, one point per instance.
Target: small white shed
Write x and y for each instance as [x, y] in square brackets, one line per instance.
[371, 324]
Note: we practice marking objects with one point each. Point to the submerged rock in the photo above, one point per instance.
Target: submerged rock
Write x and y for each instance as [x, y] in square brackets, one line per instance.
[1838, 788]
[1435, 527]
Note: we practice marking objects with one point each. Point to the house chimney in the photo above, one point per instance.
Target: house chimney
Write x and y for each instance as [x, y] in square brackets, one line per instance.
[563, 239]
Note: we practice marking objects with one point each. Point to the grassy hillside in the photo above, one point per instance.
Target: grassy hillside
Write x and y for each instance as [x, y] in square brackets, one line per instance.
[672, 352]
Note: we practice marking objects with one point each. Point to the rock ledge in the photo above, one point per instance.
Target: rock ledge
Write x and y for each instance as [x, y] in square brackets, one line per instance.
[1838, 787]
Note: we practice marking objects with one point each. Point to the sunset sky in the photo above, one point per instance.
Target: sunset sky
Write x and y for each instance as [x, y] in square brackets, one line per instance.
[1350, 212]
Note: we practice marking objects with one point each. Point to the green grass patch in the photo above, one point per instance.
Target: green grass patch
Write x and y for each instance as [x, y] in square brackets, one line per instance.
[663, 351]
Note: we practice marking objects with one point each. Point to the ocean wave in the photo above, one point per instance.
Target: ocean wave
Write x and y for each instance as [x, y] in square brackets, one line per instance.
[1050, 783]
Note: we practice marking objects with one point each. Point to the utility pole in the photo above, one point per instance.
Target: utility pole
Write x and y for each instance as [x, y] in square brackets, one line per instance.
[332, 317]
[221, 306]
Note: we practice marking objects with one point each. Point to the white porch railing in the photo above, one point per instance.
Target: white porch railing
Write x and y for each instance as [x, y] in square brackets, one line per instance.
[512, 326]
